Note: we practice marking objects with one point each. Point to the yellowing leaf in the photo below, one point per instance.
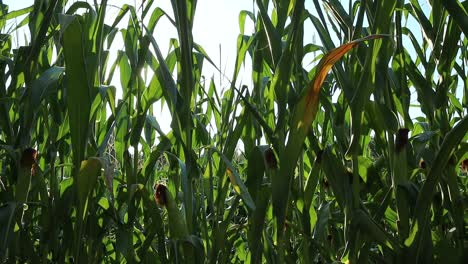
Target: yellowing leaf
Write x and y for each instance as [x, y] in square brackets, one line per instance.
[308, 105]
[234, 183]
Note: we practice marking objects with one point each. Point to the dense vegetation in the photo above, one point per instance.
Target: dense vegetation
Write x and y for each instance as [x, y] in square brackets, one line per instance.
[362, 158]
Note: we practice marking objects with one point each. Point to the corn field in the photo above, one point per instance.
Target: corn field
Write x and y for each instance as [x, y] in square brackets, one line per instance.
[349, 149]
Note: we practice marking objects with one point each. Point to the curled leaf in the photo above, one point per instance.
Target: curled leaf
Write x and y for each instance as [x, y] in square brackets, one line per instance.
[233, 180]
[308, 105]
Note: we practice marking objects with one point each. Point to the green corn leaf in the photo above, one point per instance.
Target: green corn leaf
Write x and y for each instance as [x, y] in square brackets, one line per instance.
[451, 140]
[89, 172]
[80, 93]
[458, 12]
[236, 181]
[7, 222]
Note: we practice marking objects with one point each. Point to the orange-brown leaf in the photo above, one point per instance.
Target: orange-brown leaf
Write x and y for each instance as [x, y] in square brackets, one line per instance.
[324, 67]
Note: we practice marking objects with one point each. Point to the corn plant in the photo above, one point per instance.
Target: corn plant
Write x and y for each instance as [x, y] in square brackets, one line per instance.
[352, 149]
